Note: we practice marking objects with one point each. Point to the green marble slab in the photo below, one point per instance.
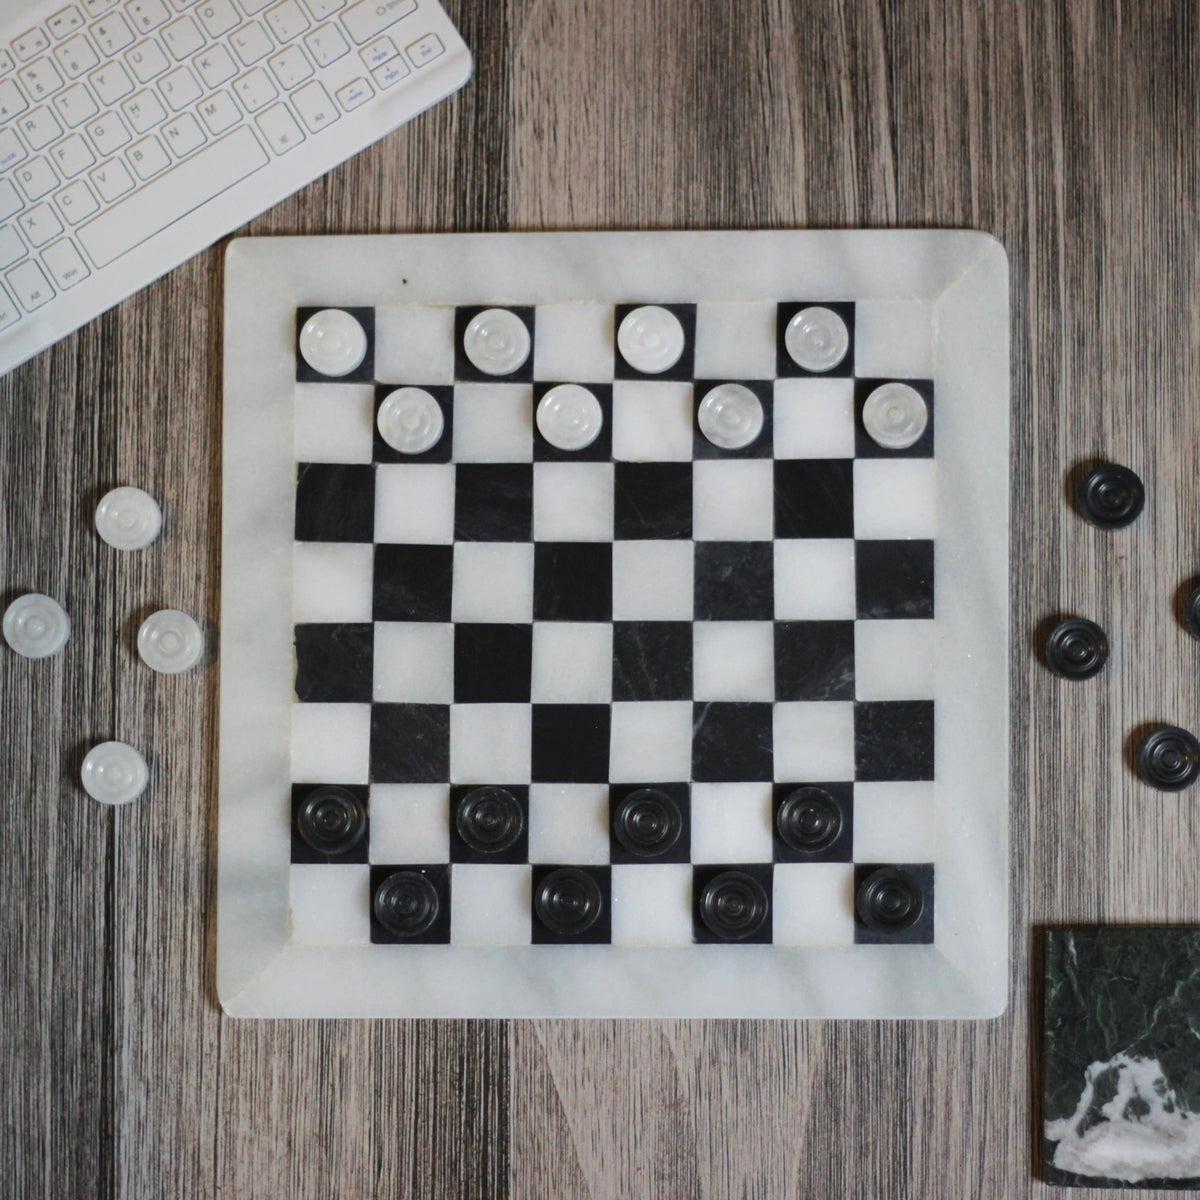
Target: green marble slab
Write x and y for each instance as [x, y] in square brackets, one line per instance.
[1121, 1067]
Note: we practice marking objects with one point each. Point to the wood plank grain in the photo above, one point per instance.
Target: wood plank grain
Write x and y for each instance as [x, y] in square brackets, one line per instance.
[1069, 130]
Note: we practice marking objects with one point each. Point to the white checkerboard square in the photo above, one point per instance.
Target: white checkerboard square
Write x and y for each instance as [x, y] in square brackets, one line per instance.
[650, 740]
[735, 340]
[492, 581]
[331, 581]
[894, 497]
[414, 503]
[814, 418]
[731, 822]
[490, 741]
[893, 822]
[573, 502]
[329, 904]
[490, 904]
[334, 422]
[414, 662]
[652, 904]
[733, 660]
[733, 500]
[493, 422]
[814, 904]
[652, 421]
[331, 742]
[414, 344]
[894, 660]
[814, 740]
[410, 823]
[573, 343]
[893, 339]
[568, 823]
[653, 580]
[814, 579]
[572, 662]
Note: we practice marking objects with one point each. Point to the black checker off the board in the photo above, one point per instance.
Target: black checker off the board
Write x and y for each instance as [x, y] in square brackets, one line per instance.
[575, 627]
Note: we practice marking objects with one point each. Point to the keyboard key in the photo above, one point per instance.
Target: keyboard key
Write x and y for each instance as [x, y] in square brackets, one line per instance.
[30, 44]
[94, 8]
[254, 6]
[287, 21]
[183, 38]
[215, 66]
[10, 314]
[112, 34]
[180, 88]
[65, 21]
[183, 135]
[108, 133]
[148, 157]
[30, 284]
[11, 246]
[280, 129]
[65, 263]
[390, 73]
[290, 67]
[144, 111]
[251, 43]
[76, 202]
[315, 107]
[219, 112]
[6, 62]
[10, 199]
[425, 49]
[72, 155]
[218, 16]
[320, 9]
[147, 14]
[112, 180]
[12, 103]
[326, 45]
[354, 94]
[37, 178]
[76, 105]
[371, 17]
[40, 224]
[40, 79]
[147, 60]
[76, 56]
[194, 182]
[255, 90]
[39, 128]
[11, 150]
[378, 52]
[111, 83]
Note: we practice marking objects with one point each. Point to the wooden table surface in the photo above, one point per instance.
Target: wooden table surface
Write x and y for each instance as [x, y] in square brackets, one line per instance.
[1067, 130]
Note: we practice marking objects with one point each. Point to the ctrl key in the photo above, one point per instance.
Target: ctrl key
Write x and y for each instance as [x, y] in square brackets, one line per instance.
[30, 284]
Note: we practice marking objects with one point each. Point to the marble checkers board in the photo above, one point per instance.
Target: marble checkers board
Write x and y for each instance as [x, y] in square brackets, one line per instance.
[652, 611]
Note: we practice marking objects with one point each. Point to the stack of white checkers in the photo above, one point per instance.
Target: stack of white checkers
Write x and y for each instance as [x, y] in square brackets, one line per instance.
[615, 624]
[118, 118]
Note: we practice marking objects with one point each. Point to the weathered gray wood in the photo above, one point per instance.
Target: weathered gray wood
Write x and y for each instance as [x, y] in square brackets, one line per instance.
[1070, 131]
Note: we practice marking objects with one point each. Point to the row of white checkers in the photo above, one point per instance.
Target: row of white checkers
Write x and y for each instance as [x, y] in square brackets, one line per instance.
[169, 641]
[569, 416]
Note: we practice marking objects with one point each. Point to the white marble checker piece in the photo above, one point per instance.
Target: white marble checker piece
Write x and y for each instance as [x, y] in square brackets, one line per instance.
[617, 627]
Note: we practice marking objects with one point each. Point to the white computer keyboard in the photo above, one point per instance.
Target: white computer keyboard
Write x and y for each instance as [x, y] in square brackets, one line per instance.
[135, 132]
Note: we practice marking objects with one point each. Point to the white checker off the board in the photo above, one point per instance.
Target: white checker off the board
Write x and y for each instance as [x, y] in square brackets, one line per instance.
[615, 624]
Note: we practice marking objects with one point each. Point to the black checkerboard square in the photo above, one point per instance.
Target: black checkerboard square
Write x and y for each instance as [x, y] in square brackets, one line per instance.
[412, 583]
[334, 663]
[840, 848]
[894, 579]
[493, 502]
[866, 447]
[762, 447]
[410, 743]
[893, 740]
[920, 933]
[652, 660]
[438, 933]
[572, 581]
[363, 373]
[439, 452]
[734, 581]
[599, 451]
[302, 852]
[814, 498]
[785, 366]
[762, 873]
[570, 743]
[461, 852]
[683, 368]
[680, 852]
[598, 934]
[335, 502]
[653, 500]
[465, 370]
[814, 660]
[732, 742]
[492, 663]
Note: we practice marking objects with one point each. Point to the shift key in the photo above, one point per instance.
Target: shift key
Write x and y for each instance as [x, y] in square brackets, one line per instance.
[370, 17]
[172, 195]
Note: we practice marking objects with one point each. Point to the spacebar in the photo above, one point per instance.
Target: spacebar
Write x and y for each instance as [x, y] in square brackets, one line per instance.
[172, 195]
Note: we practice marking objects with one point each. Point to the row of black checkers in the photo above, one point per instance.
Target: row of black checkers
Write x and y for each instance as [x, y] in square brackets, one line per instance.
[1166, 757]
[732, 904]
